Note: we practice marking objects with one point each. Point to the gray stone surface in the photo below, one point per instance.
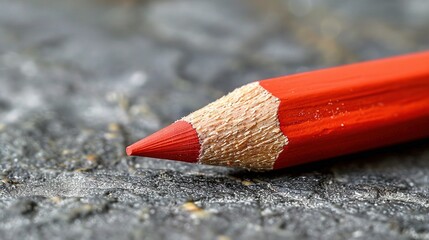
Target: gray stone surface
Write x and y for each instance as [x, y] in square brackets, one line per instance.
[81, 79]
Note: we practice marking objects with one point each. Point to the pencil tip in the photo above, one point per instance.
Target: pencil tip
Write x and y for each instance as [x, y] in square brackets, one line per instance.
[129, 151]
[179, 141]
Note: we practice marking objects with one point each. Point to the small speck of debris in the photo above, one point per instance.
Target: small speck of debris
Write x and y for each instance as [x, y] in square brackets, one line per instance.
[110, 135]
[66, 152]
[247, 183]
[223, 237]
[144, 214]
[114, 127]
[190, 207]
[56, 199]
[196, 211]
[92, 158]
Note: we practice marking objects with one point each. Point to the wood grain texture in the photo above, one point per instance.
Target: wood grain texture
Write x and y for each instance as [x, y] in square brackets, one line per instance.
[240, 129]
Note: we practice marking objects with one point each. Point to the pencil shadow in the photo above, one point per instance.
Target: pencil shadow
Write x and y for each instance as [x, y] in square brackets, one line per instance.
[369, 159]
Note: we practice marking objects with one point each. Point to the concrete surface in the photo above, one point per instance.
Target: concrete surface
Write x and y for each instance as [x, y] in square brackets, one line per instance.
[81, 79]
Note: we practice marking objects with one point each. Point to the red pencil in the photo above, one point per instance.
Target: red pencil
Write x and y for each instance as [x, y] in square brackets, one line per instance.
[290, 120]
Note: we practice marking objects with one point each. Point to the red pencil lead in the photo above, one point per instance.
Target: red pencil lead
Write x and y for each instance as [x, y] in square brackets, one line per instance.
[179, 141]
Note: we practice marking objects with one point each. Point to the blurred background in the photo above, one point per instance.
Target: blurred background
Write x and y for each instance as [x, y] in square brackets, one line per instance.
[82, 79]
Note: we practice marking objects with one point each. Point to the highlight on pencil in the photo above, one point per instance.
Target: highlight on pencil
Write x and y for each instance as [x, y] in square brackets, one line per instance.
[305, 117]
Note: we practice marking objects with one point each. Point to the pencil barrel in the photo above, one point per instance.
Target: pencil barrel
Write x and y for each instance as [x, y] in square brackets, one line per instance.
[347, 109]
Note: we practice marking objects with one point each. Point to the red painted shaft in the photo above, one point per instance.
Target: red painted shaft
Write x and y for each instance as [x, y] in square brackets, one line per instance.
[346, 109]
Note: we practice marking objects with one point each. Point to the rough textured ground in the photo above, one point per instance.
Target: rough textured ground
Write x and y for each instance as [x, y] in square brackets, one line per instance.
[81, 79]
